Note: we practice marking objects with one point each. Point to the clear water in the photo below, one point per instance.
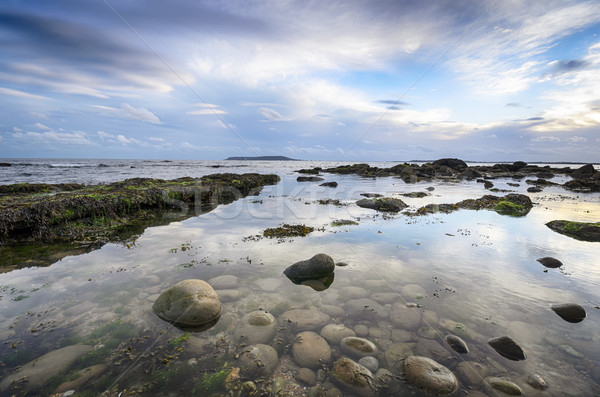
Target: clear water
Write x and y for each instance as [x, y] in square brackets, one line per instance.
[475, 268]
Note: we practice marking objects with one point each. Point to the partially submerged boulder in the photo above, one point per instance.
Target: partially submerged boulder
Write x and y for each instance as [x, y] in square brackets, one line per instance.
[190, 305]
[313, 268]
[384, 204]
[578, 230]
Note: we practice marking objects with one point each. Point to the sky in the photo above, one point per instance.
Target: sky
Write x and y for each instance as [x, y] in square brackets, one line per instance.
[355, 80]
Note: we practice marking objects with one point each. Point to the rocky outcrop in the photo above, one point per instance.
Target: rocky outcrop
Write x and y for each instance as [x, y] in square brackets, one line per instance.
[578, 230]
[384, 204]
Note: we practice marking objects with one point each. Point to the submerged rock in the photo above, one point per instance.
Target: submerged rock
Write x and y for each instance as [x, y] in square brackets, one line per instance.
[256, 327]
[358, 347]
[257, 360]
[353, 377]
[577, 230]
[329, 184]
[429, 375]
[456, 343]
[304, 319]
[310, 350]
[384, 204]
[334, 333]
[550, 262]
[504, 385]
[315, 267]
[537, 382]
[507, 347]
[570, 312]
[309, 179]
[189, 304]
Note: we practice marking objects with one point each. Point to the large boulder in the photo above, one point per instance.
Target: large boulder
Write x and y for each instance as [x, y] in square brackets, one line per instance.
[190, 305]
[384, 204]
[313, 268]
[353, 377]
[257, 360]
[429, 375]
[578, 230]
[584, 172]
[310, 350]
[456, 164]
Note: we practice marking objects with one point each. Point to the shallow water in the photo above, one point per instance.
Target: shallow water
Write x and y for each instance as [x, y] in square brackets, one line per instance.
[473, 273]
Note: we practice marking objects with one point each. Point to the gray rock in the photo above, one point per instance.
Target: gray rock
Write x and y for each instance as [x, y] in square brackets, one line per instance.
[504, 385]
[353, 377]
[537, 382]
[315, 267]
[310, 350]
[397, 352]
[256, 327]
[370, 363]
[358, 347]
[226, 281]
[306, 376]
[329, 184]
[431, 348]
[190, 304]
[407, 318]
[570, 312]
[384, 204]
[429, 375]
[304, 319]
[229, 295]
[456, 343]
[257, 360]
[361, 330]
[334, 333]
[309, 179]
[583, 172]
[42, 369]
[365, 308]
[332, 310]
[550, 262]
[508, 348]
[471, 372]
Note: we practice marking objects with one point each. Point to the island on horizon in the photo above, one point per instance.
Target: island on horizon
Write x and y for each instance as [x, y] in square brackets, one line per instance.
[268, 158]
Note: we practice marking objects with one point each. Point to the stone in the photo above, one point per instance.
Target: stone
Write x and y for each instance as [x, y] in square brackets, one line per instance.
[471, 372]
[385, 297]
[507, 347]
[584, 231]
[226, 281]
[504, 385]
[311, 350]
[353, 377]
[256, 327]
[583, 172]
[370, 363]
[309, 179]
[189, 304]
[456, 164]
[329, 184]
[537, 382]
[429, 375]
[384, 204]
[315, 267]
[306, 376]
[229, 295]
[361, 330]
[570, 312]
[83, 377]
[397, 352]
[358, 347]
[407, 318]
[42, 369]
[431, 348]
[413, 291]
[456, 343]
[365, 308]
[304, 319]
[257, 361]
[332, 310]
[550, 262]
[334, 333]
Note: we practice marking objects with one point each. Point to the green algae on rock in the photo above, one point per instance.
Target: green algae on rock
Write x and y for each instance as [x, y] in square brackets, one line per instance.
[583, 231]
[287, 230]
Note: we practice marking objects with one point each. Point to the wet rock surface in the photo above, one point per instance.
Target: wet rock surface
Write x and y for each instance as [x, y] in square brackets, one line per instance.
[334, 333]
[353, 377]
[310, 350]
[358, 347]
[429, 375]
[578, 230]
[504, 385]
[257, 360]
[507, 347]
[256, 327]
[550, 262]
[304, 319]
[570, 312]
[456, 343]
[384, 204]
[313, 268]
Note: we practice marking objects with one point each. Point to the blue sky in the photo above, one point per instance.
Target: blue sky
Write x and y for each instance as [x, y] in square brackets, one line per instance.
[481, 80]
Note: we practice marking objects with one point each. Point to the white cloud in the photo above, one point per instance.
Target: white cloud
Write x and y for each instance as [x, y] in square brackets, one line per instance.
[206, 109]
[126, 141]
[546, 138]
[155, 139]
[576, 139]
[139, 114]
[41, 126]
[53, 137]
[104, 135]
[20, 94]
[272, 115]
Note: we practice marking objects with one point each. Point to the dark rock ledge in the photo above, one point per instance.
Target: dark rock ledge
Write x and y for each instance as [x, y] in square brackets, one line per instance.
[93, 215]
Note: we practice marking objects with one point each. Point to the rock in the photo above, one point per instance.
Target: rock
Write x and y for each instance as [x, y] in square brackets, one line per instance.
[189, 304]
[385, 297]
[256, 327]
[334, 333]
[371, 195]
[517, 165]
[353, 292]
[413, 291]
[226, 281]
[304, 319]
[358, 347]
[397, 352]
[370, 363]
[329, 184]
[429, 375]
[309, 179]
[507, 347]
[83, 377]
[311, 350]
[504, 385]
[333, 311]
[361, 330]
[471, 372]
[577, 230]
[42, 369]
[306, 376]
[456, 164]
[318, 284]
[550, 262]
[583, 172]
[229, 295]
[407, 318]
[488, 184]
[457, 344]
[384, 204]
[257, 361]
[570, 312]
[5, 164]
[431, 348]
[534, 189]
[537, 382]
[353, 377]
[365, 308]
[315, 267]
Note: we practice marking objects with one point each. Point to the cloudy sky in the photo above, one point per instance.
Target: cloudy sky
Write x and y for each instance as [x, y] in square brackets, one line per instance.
[496, 80]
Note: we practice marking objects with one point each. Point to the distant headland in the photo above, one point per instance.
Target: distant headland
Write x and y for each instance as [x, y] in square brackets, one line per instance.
[264, 158]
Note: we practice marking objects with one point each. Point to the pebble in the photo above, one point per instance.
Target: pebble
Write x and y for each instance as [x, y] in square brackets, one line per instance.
[332, 310]
[405, 317]
[358, 347]
[353, 377]
[429, 375]
[334, 333]
[504, 385]
[229, 295]
[361, 330]
[398, 352]
[412, 291]
[370, 363]
[471, 372]
[306, 376]
[365, 308]
[507, 347]
[570, 312]
[537, 382]
[457, 344]
[310, 350]
[257, 360]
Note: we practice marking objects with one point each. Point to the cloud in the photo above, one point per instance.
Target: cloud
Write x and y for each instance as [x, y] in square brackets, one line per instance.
[139, 114]
[76, 138]
[127, 141]
[576, 139]
[104, 135]
[513, 105]
[561, 67]
[155, 139]
[206, 109]
[20, 94]
[392, 102]
[272, 115]
[41, 126]
[546, 138]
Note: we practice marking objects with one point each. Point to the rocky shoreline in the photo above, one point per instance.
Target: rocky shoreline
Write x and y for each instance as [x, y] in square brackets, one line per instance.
[90, 216]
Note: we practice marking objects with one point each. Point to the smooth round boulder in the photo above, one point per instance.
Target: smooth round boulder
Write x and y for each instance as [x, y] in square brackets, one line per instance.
[457, 344]
[429, 375]
[189, 304]
[570, 312]
[358, 347]
[257, 360]
[550, 262]
[504, 385]
[370, 363]
[407, 318]
[226, 281]
[507, 347]
[304, 319]
[256, 327]
[310, 350]
[318, 265]
[353, 377]
[334, 333]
